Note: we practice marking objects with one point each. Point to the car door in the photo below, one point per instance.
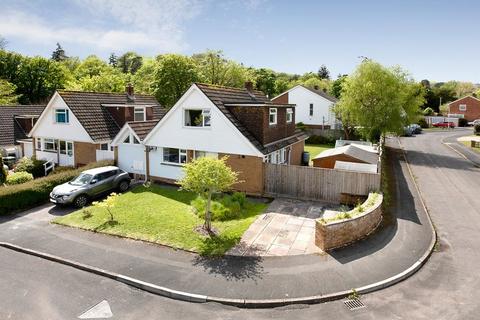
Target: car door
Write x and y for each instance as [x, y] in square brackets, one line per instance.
[110, 179]
[99, 184]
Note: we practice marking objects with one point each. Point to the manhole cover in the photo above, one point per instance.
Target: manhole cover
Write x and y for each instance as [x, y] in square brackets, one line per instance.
[354, 304]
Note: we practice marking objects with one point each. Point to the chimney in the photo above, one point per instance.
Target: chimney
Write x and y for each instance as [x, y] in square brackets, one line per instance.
[130, 92]
[249, 86]
[316, 87]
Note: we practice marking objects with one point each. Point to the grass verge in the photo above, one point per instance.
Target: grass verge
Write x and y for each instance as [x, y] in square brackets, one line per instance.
[163, 215]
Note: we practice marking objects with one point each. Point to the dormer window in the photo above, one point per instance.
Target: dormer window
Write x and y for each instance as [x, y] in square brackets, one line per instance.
[289, 115]
[62, 116]
[272, 119]
[197, 118]
[139, 114]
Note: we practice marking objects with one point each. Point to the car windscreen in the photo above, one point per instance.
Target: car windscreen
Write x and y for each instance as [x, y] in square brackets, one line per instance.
[81, 180]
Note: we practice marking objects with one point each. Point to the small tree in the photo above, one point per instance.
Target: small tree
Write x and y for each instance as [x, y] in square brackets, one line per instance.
[207, 176]
[107, 204]
[3, 171]
[59, 54]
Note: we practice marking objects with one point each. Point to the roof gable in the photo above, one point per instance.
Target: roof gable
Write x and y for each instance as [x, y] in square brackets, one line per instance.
[464, 98]
[10, 130]
[320, 93]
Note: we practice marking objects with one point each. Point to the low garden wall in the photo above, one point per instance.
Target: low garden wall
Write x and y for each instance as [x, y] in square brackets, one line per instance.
[351, 226]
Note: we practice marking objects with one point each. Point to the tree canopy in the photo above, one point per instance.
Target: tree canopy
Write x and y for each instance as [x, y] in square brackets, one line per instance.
[7, 92]
[59, 54]
[379, 100]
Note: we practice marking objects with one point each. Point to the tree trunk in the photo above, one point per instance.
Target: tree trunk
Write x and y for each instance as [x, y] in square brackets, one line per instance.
[208, 215]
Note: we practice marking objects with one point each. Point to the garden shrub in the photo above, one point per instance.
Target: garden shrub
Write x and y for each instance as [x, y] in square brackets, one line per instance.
[462, 122]
[225, 207]
[3, 171]
[422, 123]
[321, 140]
[19, 177]
[31, 165]
[23, 196]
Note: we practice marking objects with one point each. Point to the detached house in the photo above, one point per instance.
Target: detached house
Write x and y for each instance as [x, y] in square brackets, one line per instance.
[16, 121]
[466, 107]
[76, 128]
[214, 121]
[314, 107]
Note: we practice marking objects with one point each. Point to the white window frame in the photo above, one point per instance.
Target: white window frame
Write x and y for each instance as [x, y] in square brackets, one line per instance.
[181, 152]
[272, 112]
[205, 113]
[132, 139]
[138, 110]
[289, 115]
[50, 141]
[68, 150]
[102, 145]
[65, 112]
[462, 107]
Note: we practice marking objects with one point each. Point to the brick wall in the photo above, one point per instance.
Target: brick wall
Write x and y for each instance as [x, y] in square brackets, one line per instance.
[281, 99]
[84, 153]
[256, 120]
[296, 151]
[126, 114]
[250, 170]
[473, 108]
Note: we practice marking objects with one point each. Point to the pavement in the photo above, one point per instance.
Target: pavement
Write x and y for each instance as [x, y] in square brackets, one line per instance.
[287, 228]
[445, 288]
[400, 243]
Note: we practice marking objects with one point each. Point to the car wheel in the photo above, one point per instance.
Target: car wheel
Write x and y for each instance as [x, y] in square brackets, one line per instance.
[123, 186]
[80, 201]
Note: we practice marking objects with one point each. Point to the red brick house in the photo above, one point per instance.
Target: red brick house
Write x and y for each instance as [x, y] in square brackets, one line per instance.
[468, 106]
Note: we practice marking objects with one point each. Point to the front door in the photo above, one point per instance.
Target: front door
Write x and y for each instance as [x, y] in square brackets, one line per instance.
[66, 153]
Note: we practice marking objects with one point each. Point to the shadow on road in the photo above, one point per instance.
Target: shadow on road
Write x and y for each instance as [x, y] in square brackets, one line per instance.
[231, 267]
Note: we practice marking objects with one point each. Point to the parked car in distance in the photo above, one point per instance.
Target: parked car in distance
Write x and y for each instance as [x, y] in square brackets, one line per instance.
[416, 128]
[444, 124]
[90, 184]
[407, 131]
[474, 122]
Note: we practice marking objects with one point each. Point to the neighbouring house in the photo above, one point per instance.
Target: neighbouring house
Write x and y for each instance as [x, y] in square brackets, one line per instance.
[214, 121]
[314, 107]
[466, 107]
[76, 128]
[16, 121]
[348, 153]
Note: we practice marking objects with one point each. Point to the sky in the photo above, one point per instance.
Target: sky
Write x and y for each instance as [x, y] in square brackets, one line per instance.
[436, 40]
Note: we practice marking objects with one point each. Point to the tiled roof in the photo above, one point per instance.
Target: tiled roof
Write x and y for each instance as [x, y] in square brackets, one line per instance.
[353, 151]
[97, 121]
[322, 94]
[221, 96]
[10, 130]
[143, 128]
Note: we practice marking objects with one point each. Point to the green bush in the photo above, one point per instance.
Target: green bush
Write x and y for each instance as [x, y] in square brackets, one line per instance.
[19, 177]
[428, 112]
[301, 126]
[3, 171]
[462, 122]
[422, 123]
[227, 207]
[321, 140]
[23, 196]
[31, 165]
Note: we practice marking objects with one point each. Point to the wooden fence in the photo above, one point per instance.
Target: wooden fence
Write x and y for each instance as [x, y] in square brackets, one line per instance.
[310, 183]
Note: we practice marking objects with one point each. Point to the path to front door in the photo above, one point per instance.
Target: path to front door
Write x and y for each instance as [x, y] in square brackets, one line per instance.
[286, 228]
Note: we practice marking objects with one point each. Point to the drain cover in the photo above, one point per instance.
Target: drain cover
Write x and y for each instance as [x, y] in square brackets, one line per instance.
[354, 304]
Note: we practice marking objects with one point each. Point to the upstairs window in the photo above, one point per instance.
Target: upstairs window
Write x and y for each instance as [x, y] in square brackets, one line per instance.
[176, 156]
[62, 116]
[197, 118]
[462, 107]
[311, 109]
[139, 114]
[272, 118]
[289, 115]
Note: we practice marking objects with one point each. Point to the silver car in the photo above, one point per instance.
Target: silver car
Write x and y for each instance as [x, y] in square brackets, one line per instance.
[90, 184]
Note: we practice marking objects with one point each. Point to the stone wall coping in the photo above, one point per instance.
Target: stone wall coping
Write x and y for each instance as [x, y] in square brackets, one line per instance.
[366, 212]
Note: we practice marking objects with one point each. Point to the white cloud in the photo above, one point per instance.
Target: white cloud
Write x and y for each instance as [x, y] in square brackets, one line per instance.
[143, 25]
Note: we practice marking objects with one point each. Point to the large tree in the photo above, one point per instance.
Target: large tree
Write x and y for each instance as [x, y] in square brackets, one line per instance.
[174, 74]
[265, 81]
[3, 43]
[379, 100]
[7, 92]
[38, 79]
[59, 54]
[144, 78]
[129, 62]
[337, 86]
[323, 73]
[10, 63]
[207, 176]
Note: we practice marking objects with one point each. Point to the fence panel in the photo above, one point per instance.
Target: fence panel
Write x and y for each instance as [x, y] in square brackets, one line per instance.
[317, 183]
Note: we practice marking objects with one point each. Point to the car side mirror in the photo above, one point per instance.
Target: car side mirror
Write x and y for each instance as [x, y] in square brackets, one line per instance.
[93, 181]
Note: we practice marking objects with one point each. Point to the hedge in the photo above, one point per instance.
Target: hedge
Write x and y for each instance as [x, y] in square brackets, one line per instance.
[19, 178]
[27, 195]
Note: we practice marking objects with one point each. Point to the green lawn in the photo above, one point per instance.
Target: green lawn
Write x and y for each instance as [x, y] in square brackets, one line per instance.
[468, 144]
[315, 149]
[163, 215]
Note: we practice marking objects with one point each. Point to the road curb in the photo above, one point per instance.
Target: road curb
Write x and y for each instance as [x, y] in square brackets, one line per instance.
[243, 303]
